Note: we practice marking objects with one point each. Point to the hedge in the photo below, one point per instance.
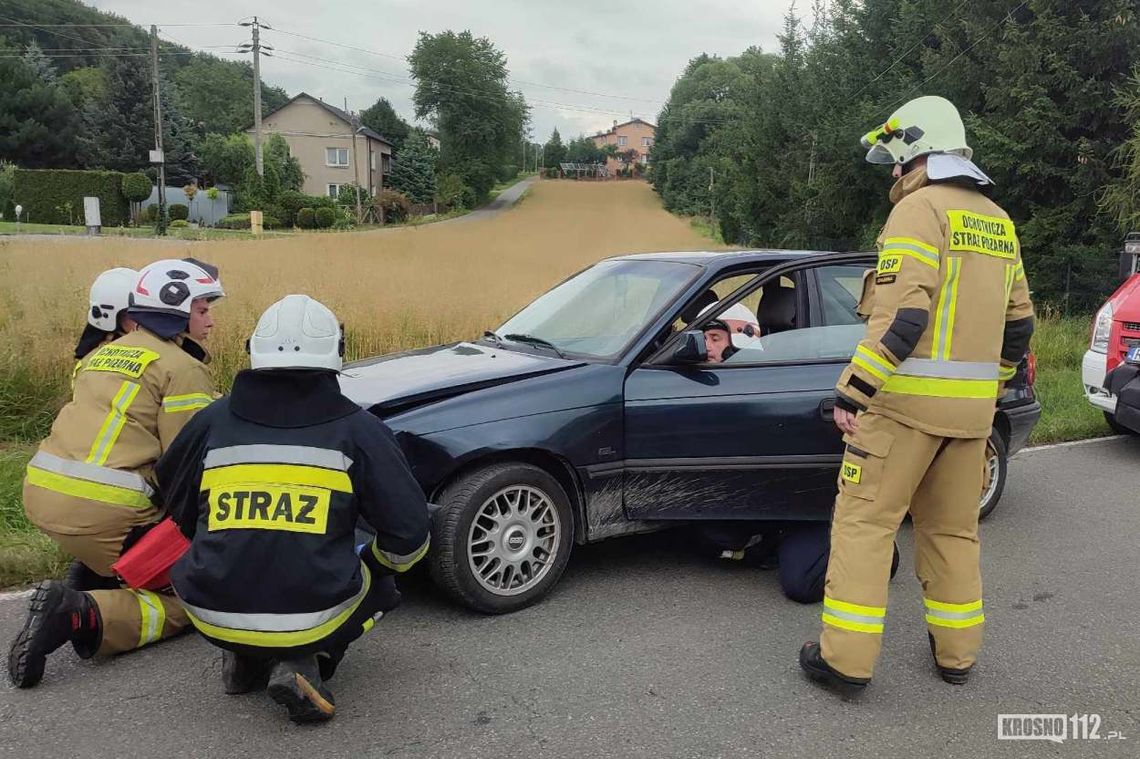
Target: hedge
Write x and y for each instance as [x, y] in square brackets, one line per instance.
[241, 221]
[179, 212]
[45, 193]
[306, 218]
[292, 201]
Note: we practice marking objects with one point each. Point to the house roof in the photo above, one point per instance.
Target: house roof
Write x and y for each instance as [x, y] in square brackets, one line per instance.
[615, 127]
[344, 116]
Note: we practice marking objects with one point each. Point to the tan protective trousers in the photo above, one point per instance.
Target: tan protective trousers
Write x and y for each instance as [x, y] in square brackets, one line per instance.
[887, 468]
[93, 532]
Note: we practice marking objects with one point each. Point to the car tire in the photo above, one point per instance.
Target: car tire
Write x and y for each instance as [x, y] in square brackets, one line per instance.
[1116, 427]
[513, 513]
[997, 458]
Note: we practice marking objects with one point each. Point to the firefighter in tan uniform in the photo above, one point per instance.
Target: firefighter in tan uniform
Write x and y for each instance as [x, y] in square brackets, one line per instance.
[950, 319]
[107, 320]
[89, 485]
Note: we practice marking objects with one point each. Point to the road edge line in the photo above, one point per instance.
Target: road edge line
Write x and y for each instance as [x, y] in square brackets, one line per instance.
[1070, 444]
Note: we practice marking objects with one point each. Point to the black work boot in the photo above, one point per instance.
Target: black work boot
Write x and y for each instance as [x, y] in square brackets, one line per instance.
[812, 662]
[56, 615]
[949, 674]
[82, 577]
[296, 685]
[244, 674]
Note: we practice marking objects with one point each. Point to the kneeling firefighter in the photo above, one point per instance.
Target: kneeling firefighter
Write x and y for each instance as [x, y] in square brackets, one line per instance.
[950, 319]
[107, 320]
[268, 484]
[88, 486]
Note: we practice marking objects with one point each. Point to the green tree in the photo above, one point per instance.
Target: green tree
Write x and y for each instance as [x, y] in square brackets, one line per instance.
[413, 172]
[583, 150]
[231, 161]
[461, 86]
[38, 123]
[554, 152]
[216, 95]
[118, 129]
[382, 117]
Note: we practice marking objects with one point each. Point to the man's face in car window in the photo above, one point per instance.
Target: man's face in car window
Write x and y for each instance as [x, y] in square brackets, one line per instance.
[716, 340]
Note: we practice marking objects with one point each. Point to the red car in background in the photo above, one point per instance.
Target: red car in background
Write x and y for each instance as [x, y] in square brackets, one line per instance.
[1116, 330]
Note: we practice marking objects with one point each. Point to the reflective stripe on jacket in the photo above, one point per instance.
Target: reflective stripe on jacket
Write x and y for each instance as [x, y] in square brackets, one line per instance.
[272, 511]
[130, 399]
[950, 315]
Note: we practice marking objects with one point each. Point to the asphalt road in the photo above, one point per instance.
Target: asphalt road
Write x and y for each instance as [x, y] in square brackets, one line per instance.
[647, 650]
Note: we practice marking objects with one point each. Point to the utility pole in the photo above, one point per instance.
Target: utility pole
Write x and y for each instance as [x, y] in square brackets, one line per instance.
[258, 50]
[712, 194]
[158, 152]
[356, 165]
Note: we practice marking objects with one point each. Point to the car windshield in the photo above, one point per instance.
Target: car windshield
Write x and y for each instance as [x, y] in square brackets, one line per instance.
[599, 311]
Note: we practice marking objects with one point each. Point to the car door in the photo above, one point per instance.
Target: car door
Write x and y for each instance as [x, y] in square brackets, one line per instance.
[753, 437]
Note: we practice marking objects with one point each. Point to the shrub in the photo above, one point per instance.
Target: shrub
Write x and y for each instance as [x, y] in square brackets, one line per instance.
[136, 187]
[233, 221]
[307, 218]
[149, 215]
[507, 173]
[394, 205]
[324, 217]
[179, 224]
[178, 212]
[468, 198]
[47, 194]
[241, 221]
[449, 190]
[290, 202]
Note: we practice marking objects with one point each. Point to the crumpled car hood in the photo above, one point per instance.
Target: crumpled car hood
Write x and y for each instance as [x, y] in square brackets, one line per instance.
[405, 380]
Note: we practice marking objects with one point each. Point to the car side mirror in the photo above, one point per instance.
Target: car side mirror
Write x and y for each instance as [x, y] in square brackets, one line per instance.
[691, 349]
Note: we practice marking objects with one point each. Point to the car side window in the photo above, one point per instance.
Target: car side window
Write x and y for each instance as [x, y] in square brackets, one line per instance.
[785, 334]
[840, 288]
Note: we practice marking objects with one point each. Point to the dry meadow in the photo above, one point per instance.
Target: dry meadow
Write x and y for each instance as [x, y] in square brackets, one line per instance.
[395, 289]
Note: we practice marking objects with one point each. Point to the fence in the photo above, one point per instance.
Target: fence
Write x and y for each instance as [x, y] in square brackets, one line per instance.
[202, 210]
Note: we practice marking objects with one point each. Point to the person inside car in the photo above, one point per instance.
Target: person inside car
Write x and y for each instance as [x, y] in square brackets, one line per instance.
[718, 341]
[743, 325]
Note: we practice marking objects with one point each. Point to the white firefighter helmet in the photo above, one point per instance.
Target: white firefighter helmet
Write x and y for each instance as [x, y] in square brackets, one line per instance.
[110, 293]
[297, 332]
[929, 124]
[170, 286]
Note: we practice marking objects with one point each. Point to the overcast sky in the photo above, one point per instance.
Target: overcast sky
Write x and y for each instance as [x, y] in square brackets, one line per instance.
[627, 53]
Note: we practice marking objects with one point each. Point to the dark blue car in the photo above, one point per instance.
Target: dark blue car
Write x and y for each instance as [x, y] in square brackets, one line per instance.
[594, 412]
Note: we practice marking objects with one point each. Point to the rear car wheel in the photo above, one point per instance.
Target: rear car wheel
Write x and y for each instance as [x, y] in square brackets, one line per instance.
[1116, 427]
[502, 537]
[997, 464]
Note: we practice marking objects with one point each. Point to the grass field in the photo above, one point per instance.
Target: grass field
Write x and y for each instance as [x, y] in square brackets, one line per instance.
[395, 289]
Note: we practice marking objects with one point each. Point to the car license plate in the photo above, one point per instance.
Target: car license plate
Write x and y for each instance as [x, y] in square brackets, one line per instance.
[1133, 356]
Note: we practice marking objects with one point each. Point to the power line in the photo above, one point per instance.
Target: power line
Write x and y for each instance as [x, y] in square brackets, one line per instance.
[977, 42]
[908, 51]
[403, 59]
[102, 26]
[293, 57]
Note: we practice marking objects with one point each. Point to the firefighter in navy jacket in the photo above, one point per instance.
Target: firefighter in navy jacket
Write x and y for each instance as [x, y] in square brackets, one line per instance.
[268, 484]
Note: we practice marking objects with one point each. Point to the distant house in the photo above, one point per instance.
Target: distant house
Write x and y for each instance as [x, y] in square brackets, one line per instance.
[632, 135]
[433, 139]
[321, 137]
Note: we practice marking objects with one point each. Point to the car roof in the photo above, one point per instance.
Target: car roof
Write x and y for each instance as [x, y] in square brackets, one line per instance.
[723, 257]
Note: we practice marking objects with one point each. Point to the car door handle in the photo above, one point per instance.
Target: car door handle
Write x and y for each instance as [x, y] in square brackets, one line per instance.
[827, 408]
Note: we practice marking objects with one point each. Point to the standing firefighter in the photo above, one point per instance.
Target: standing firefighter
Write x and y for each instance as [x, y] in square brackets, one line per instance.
[88, 485]
[268, 485]
[950, 319]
